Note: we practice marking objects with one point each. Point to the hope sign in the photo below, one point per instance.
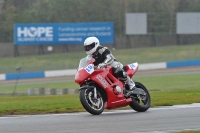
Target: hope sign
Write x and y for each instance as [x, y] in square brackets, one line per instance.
[35, 31]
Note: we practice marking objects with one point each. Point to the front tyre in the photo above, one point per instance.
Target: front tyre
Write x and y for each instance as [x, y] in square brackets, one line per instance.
[92, 105]
[141, 103]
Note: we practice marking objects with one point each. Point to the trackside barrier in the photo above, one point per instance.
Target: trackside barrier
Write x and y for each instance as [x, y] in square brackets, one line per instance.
[58, 73]
[2, 77]
[44, 91]
[25, 75]
[52, 91]
[185, 63]
[152, 66]
[72, 72]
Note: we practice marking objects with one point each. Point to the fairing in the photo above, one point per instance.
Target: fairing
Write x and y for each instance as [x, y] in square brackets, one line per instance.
[105, 79]
[84, 70]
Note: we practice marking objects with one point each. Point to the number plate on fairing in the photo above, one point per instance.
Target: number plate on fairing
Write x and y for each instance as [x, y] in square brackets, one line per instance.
[133, 65]
[89, 69]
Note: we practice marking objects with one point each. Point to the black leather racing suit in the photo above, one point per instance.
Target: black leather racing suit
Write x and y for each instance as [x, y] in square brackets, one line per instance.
[104, 56]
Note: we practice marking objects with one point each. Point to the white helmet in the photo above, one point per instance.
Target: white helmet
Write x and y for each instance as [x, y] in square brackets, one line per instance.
[90, 45]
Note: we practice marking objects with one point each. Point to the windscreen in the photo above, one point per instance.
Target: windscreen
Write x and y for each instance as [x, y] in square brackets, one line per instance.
[84, 62]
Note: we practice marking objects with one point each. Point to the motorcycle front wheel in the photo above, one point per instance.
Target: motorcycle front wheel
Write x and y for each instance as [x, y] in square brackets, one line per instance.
[93, 105]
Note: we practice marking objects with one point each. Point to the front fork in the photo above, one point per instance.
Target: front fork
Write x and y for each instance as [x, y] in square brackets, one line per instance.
[95, 90]
[95, 93]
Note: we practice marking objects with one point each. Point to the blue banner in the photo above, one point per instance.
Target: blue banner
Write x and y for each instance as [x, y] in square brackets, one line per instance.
[62, 33]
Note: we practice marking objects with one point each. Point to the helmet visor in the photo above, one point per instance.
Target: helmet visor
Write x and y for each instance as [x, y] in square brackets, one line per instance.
[89, 47]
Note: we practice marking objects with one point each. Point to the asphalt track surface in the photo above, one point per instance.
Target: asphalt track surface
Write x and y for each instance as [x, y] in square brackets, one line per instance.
[155, 120]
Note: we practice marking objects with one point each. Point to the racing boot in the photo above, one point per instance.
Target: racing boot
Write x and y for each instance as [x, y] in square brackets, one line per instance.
[131, 85]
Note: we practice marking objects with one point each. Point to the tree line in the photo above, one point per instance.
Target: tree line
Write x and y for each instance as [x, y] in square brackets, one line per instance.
[160, 12]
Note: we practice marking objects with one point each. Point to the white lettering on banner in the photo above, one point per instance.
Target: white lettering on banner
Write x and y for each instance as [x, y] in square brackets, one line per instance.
[102, 80]
[88, 29]
[71, 34]
[99, 34]
[103, 33]
[70, 39]
[26, 39]
[44, 39]
[35, 33]
[97, 28]
[81, 29]
[84, 34]
[66, 29]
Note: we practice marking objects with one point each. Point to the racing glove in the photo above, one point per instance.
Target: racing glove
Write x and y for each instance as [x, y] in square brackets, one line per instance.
[101, 65]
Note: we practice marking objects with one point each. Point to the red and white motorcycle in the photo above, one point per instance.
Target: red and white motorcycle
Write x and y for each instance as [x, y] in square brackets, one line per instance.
[101, 90]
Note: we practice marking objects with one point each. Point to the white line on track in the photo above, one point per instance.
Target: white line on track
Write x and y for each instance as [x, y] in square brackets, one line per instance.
[171, 131]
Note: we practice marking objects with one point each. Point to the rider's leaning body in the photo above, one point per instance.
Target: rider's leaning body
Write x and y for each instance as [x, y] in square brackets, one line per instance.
[103, 57]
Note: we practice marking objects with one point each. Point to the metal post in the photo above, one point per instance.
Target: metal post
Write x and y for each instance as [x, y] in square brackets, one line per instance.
[15, 87]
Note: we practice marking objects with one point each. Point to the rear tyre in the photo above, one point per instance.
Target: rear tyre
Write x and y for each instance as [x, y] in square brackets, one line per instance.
[141, 103]
[92, 105]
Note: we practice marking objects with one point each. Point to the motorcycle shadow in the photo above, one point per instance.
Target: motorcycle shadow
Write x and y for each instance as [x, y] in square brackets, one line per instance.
[118, 112]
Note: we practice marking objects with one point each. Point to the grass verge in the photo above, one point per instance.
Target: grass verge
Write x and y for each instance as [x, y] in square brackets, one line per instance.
[70, 60]
[70, 103]
[189, 132]
[165, 82]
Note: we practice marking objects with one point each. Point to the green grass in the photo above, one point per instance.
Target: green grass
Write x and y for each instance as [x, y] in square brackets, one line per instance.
[189, 132]
[171, 82]
[174, 97]
[39, 104]
[154, 83]
[71, 60]
[164, 90]
[70, 103]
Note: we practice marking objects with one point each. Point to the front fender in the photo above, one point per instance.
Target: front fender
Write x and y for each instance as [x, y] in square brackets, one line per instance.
[87, 87]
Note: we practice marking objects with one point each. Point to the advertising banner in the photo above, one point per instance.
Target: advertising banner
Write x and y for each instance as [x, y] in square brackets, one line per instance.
[188, 23]
[62, 33]
[136, 23]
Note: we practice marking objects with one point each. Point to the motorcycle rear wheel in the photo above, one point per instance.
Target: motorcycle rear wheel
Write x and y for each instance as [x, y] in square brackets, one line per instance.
[92, 105]
[138, 104]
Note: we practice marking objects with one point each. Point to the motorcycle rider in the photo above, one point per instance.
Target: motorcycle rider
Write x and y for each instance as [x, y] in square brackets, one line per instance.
[104, 57]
